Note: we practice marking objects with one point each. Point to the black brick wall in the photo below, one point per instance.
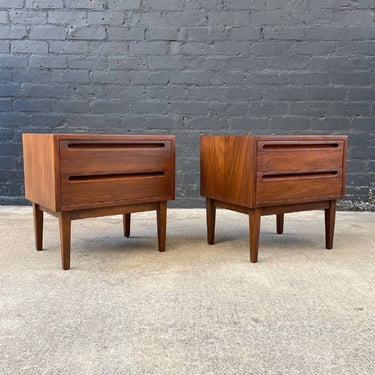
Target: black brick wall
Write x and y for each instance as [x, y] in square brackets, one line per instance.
[188, 67]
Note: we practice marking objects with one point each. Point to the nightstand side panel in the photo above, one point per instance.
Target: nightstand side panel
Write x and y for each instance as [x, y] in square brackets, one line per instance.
[212, 167]
[240, 162]
[228, 169]
[41, 170]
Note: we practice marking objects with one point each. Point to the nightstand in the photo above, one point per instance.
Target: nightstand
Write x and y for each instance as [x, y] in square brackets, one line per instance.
[76, 176]
[265, 175]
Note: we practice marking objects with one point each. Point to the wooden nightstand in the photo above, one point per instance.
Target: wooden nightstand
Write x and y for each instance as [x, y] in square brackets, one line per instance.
[264, 175]
[75, 176]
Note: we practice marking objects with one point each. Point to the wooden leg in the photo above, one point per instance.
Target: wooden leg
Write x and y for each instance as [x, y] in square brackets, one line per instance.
[329, 215]
[280, 223]
[210, 218]
[126, 220]
[162, 225]
[38, 226]
[254, 230]
[65, 229]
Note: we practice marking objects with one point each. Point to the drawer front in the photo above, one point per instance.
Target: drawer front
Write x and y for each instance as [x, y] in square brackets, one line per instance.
[98, 157]
[120, 190]
[299, 155]
[93, 172]
[287, 187]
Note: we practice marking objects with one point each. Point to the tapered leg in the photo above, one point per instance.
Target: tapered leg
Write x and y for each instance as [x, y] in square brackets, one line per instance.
[126, 220]
[65, 229]
[210, 218]
[38, 226]
[254, 223]
[162, 225]
[280, 223]
[329, 215]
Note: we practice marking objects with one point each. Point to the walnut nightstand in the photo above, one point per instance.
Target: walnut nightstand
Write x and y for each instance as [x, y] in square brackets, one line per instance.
[264, 175]
[75, 176]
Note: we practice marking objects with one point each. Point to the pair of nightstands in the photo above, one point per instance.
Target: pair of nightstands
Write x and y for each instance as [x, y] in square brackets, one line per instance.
[75, 176]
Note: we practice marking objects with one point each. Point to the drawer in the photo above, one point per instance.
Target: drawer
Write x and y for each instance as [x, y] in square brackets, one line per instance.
[299, 155]
[291, 186]
[116, 188]
[90, 158]
[96, 172]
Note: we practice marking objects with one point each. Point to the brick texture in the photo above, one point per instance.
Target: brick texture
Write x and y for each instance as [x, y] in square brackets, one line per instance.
[188, 67]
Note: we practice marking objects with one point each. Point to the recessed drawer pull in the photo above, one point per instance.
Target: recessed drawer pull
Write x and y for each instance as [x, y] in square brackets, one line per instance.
[106, 146]
[302, 175]
[110, 176]
[299, 146]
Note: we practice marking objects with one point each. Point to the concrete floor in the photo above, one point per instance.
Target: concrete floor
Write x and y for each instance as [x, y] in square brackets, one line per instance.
[125, 308]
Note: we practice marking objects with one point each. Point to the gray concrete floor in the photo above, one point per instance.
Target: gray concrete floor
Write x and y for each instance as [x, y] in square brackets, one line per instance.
[125, 308]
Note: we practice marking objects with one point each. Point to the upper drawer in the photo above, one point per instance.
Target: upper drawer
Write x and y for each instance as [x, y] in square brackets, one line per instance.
[91, 158]
[299, 155]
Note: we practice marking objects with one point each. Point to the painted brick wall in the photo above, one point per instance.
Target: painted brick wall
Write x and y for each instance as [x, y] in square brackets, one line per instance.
[188, 67]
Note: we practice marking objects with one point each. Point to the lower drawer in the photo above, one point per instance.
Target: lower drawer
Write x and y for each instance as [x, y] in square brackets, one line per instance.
[112, 189]
[307, 186]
